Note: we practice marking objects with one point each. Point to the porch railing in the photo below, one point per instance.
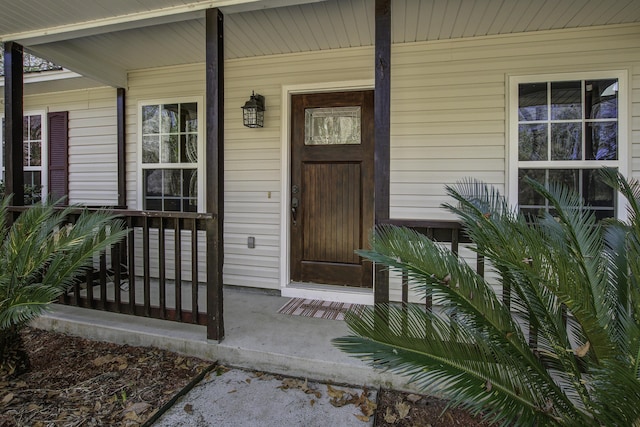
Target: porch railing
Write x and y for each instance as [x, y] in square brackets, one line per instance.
[452, 234]
[159, 270]
[449, 233]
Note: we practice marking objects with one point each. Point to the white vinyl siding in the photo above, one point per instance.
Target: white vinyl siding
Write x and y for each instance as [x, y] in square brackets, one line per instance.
[449, 120]
[449, 106]
[93, 168]
[252, 156]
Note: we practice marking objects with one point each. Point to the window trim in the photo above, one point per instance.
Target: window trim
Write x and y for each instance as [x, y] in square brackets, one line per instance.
[44, 150]
[200, 165]
[623, 163]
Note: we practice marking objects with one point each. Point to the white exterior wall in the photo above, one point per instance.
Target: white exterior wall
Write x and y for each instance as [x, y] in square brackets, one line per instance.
[93, 152]
[449, 120]
[252, 156]
[449, 109]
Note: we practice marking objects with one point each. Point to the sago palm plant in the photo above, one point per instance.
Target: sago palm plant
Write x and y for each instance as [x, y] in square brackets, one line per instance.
[573, 283]
[40, 257]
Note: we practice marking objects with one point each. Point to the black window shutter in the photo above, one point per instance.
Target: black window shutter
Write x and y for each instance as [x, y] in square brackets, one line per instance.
[59, 155]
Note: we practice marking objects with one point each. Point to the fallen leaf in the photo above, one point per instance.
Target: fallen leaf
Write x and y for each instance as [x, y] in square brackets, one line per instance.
[390, 417]
[102, 360]
[362, 418]
[248, 380]
[21, 384]
[367, 407]
[413, 398]
[334, 393]
[8, 398]
[583, 349]
[97, 406]
[232, 391]
[132, 416]
[188, 408]
[403, 409]
[33, 407]
[312, 402]
[138, 408]
[288, 383]
[222, 370]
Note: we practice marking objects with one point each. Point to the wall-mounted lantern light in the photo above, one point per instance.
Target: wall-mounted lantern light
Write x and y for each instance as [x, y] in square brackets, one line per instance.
[253, 111]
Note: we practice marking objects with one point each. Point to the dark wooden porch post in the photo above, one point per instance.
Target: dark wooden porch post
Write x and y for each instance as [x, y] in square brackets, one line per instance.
[13, 101]
[382, 130]
[214, 182]
[122, 160]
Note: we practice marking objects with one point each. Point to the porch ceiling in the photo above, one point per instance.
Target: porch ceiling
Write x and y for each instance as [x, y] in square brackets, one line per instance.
[103, 40]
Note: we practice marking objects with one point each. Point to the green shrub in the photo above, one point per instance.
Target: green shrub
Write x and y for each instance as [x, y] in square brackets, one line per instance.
[573, 279]
[40, 257]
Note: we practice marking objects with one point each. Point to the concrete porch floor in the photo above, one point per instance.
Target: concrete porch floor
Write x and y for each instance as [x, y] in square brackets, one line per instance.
[256, 337]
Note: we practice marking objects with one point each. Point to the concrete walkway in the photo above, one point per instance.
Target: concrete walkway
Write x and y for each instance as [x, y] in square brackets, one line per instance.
[248, 399]
[257, 338]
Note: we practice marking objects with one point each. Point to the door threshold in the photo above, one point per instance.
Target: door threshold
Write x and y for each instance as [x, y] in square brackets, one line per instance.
[344, 294]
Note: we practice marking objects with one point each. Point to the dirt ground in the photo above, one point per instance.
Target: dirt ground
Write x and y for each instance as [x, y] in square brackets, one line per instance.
[78, 382]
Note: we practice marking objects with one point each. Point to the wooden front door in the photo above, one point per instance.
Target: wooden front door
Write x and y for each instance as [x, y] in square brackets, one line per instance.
[332, 148]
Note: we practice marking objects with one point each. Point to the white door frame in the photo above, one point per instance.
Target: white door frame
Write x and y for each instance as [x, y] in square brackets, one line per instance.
[303, 290]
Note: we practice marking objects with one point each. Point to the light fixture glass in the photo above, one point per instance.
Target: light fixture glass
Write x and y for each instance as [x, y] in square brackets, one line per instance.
[253, 111]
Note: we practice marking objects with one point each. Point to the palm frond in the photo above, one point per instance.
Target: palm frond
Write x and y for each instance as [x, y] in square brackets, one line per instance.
[28, 304]
[41, 256]
[466, 296]
[573, 282]
[449, 361]
[513, 246]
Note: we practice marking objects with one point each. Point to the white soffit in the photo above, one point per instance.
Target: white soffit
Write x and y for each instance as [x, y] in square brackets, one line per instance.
[153, 33]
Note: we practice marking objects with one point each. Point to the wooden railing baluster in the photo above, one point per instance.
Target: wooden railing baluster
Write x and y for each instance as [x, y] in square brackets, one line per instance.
[89, 286]
[131, 265]
[102, 278]
[162, 277]
[121, 269]
[146, 267]
[194, 271]
[178, 266]
[117, 275]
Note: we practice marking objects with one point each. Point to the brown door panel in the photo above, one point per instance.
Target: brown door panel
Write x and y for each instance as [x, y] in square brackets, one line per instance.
[331, 196]
[331, 273]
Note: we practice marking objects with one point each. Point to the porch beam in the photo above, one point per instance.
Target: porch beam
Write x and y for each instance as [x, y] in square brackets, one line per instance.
[13, 112]
[135, 20]
[214, 179]
[382, 130]
[122, 151]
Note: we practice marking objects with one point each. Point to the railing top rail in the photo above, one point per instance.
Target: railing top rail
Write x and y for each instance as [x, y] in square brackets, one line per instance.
[129, 212]
[423, 223]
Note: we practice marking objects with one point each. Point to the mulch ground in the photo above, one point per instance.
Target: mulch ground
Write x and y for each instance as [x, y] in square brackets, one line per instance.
[78, 382]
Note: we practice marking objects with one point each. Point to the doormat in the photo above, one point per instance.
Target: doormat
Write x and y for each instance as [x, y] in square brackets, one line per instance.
[316, 308]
